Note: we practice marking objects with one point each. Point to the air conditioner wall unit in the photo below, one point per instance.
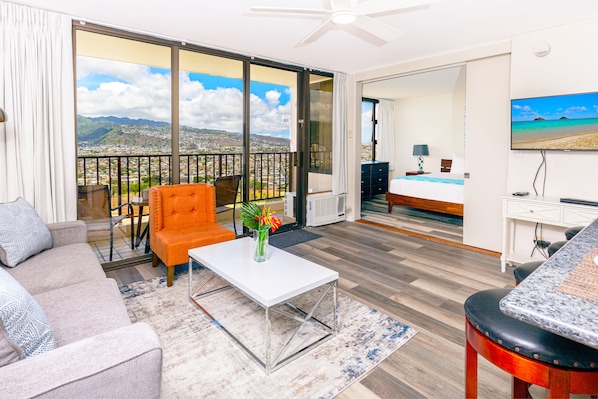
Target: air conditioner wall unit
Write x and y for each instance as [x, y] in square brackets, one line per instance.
[325, 208]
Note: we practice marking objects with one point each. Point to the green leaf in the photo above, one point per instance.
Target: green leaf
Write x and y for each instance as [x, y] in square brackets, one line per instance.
[249, 212]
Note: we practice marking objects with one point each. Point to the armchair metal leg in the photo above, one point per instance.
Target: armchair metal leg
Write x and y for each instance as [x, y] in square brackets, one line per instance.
[234, 220]
[132, 231]
[111, 242]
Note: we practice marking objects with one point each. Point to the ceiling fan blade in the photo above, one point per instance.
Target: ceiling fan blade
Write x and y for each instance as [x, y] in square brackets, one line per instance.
[279, 10]
[380, 6]
[377, 28]
[316, 33]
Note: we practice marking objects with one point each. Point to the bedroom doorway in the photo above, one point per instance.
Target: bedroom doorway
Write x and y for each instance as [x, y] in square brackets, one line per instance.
[415, 98]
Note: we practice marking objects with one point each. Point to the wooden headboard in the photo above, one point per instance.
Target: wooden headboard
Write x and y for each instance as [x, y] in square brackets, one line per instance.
[445, 165]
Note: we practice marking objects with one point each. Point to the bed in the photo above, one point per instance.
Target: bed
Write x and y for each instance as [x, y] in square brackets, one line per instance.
[438, 192]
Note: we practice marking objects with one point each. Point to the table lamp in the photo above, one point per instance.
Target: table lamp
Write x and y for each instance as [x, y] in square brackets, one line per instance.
[420, 150]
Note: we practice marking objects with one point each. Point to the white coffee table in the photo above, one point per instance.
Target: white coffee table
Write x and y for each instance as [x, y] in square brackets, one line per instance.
[271, 284]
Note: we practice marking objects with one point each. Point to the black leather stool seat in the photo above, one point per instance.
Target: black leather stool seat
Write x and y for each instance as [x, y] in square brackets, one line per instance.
[555, 246]
[525, 269]
[572, 231]
[482, 310]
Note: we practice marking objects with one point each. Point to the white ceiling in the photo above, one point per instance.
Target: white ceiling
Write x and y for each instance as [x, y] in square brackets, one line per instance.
[445, 26]
[423, 84]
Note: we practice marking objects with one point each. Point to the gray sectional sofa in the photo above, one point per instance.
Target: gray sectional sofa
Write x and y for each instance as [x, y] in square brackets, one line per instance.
[98, 352]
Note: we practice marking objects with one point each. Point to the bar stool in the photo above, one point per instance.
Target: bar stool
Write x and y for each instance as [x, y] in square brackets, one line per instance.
[531, 355]
[572, 232]
[569, 234]
[525, 269]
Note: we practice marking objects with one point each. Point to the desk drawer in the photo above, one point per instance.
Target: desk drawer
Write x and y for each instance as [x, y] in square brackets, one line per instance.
[579, 216]
[534, 212]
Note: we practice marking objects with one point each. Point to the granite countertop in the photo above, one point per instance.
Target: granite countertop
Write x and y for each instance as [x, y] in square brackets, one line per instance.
[537, 301]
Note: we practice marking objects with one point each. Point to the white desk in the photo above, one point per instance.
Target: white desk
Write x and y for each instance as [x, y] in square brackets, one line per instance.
[272, 285]
[538, 209]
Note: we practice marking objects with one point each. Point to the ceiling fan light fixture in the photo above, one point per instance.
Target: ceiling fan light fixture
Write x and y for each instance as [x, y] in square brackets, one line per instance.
[343, 17]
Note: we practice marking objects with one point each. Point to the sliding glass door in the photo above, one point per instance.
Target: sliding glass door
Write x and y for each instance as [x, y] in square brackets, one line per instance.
[153, 112]
[273, 140]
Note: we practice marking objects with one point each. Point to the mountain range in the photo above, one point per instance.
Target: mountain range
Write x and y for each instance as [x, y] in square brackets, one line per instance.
[118, 131]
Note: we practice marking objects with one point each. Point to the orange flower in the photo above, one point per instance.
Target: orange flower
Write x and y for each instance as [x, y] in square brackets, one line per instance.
[267, 219]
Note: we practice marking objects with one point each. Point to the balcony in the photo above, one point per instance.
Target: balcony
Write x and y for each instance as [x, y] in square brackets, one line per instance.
[128, 175]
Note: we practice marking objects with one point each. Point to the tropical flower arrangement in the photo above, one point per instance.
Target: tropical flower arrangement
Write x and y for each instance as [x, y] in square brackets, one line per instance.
[260, 220]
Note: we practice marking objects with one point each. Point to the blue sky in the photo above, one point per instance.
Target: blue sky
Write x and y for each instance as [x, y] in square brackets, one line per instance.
[106, 87]
[572, 106]
[366, 122]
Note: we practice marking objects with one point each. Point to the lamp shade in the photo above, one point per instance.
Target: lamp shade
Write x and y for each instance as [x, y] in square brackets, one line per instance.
[2, 116]
[420, 149]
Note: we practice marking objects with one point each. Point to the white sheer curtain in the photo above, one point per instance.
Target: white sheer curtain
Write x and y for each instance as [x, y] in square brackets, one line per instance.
[386, 133]
[339, 134]
[37, 144]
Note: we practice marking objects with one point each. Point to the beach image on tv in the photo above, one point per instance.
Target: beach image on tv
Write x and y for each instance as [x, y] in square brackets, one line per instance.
[565, 122]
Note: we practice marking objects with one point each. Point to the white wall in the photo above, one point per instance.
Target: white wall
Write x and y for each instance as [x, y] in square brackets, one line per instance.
[486, 150]
[430, 120]
[570, 67]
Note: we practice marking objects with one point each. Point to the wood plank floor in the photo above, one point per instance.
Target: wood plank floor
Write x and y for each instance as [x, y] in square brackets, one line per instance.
[447, 227]
[419, 282]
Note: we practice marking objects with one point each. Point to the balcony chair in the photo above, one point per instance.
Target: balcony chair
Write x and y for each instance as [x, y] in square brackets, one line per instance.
[227, 188]
[183, 217]
[531, 355]
[94, 207]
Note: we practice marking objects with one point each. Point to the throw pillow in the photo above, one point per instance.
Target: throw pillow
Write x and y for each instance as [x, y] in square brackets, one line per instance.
[22, 232]
[24, 328]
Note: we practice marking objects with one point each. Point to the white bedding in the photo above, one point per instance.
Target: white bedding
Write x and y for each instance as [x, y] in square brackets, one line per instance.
[430, 190]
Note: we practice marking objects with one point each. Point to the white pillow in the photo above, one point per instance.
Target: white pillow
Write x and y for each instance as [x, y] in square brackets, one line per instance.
[22, 232]
[24, 327]
[458, 165]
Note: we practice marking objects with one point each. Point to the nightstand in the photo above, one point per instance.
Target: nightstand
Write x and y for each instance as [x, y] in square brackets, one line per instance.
[414, 173]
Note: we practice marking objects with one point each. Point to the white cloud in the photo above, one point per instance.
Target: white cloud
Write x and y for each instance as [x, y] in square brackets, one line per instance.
[138, 92]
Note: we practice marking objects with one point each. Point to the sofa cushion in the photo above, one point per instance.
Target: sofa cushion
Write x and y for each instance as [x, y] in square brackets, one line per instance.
[24, 328]
[58, 267]
[83, 310]
[22, 232]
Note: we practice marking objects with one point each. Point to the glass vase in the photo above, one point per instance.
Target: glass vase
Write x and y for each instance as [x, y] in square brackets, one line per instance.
[260, 241]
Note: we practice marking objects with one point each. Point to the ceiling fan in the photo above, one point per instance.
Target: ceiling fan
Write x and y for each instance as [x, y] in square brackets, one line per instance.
[349, 12]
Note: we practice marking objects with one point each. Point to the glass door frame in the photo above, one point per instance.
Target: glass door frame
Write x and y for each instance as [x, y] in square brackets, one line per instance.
[300, 172]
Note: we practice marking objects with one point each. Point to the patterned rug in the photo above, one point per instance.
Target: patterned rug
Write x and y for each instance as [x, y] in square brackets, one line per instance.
[200, 361]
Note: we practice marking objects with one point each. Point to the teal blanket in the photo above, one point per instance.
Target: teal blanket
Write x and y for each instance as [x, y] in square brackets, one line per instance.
[432, 179]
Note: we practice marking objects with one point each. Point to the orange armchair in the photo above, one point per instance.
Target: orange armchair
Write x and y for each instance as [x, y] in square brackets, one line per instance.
[183, 217]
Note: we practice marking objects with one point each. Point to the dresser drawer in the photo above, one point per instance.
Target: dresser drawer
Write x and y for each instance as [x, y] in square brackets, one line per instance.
[379, 189]
[380, 170]
[377, 180]
[534, 212]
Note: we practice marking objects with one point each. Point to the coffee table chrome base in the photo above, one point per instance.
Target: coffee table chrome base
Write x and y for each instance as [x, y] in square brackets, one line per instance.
[273, 362]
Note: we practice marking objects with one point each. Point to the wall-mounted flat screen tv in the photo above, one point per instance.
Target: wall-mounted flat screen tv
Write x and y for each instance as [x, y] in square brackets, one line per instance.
[567, 122]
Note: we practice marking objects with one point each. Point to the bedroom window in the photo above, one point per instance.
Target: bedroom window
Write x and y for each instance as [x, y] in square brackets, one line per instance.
[368, 128]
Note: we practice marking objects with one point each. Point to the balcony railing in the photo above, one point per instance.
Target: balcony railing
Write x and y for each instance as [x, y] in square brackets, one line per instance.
[127, 175]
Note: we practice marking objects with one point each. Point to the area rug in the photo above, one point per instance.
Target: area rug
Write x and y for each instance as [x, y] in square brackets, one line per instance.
[290, 238]
[200, 361]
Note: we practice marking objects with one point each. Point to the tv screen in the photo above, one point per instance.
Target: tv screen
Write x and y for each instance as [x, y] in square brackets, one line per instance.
[567, 122]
